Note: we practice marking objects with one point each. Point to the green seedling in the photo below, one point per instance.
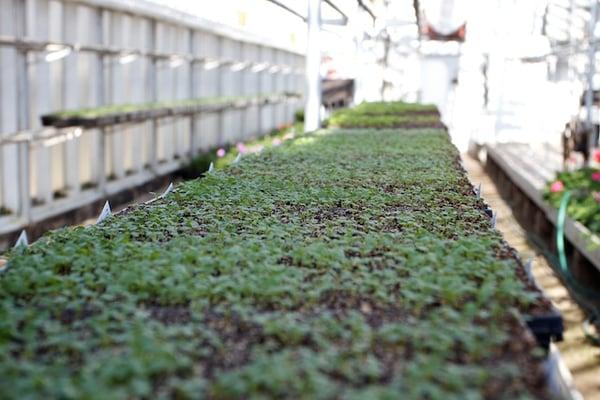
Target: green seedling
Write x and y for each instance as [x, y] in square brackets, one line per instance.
[345, 264]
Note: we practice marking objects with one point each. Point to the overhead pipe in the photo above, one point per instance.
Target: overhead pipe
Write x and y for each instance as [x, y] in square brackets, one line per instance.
[288, 9]
[342, 21]
[362, 5]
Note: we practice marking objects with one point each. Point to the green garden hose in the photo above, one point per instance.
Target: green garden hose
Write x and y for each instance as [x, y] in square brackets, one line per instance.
[579, 289]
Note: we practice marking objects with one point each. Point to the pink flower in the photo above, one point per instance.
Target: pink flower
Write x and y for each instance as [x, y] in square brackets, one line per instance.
[241, 147]
[596, 196]
[557, 186]
[276, 142]
[596, 176]
[221, 152]
[597, 155]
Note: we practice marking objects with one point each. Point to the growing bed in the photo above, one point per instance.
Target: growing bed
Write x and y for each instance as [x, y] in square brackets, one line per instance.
[344, 264]
[387, 115]
[130, 113]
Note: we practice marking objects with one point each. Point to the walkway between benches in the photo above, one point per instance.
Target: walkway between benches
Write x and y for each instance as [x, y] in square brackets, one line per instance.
[582, 359]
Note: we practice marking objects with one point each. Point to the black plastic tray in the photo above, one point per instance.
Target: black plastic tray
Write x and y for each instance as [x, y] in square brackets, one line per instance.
[546, 328]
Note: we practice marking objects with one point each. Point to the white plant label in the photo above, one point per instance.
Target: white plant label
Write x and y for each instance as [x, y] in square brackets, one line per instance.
[168, 190]
[478, 191]
[238, 158]
[528, 266]
[22, 240]
[494, 214]
[105, 213]
[211, 168]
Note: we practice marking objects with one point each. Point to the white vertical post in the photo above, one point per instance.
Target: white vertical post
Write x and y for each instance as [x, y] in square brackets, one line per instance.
[238, 86]
[101, 178]
[120, 89]
[226, 83]
[37, 24]
[94, 74]
[151, 86]
[589, 94]
[259, 90]
[192, 92]
[13, 96]
[220, 73]
[71, 29]
[208, 86]
[243, 129]
[182, 90]
[134, 136]
[24, 181]
[570, 54]
[312, 119]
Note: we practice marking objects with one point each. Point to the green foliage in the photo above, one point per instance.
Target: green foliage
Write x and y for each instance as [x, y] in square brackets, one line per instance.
[386, 115]
[394, 108]
[198, 166]
[345, 264]
[348, 120]
[117, 109]
[584, 205]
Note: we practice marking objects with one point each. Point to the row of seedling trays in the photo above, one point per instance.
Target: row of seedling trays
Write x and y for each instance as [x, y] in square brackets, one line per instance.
[279, 336]
[113, 115]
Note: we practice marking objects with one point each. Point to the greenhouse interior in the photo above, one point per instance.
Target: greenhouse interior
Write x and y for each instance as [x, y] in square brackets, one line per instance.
[299, 199]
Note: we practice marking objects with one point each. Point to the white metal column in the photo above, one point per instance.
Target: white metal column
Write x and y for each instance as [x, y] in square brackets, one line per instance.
[589, 94]
[312, 118]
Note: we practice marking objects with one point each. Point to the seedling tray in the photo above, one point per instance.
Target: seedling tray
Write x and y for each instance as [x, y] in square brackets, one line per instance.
[343, 264]
[112, 115]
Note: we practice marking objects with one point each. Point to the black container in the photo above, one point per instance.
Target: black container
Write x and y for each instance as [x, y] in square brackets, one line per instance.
[86, 122]
[106, 120]
[48, 119]
[546, 328]
[66, 122]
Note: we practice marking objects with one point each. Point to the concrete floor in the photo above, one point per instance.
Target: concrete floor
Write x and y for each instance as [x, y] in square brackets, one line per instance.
[582, 359]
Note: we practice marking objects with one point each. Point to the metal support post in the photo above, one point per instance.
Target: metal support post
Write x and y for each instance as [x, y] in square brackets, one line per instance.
[24, 181]
[589, 94]
[312, 109]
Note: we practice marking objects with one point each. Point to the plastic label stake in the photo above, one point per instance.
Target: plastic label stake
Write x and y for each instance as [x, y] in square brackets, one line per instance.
[528, 266]
[238, 158]
[22, 240]
[168, 190]
[478, 191]
[211, 168]
[105, 213]
[494, 214]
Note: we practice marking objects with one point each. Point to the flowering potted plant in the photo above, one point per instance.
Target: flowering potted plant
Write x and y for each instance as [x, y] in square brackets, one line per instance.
[584, 184]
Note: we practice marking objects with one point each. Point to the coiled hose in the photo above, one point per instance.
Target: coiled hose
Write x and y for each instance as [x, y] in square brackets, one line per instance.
[581, 291]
